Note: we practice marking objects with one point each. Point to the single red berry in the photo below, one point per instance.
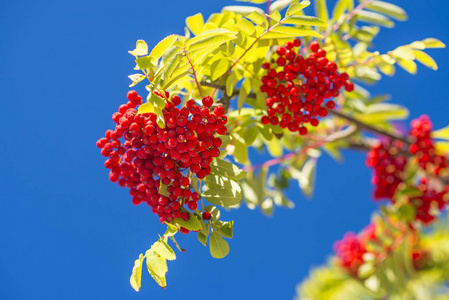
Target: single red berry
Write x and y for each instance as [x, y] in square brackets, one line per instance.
[208, 101]
[207, 215]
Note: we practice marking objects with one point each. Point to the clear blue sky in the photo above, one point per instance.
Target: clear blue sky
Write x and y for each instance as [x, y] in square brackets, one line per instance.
[66, 232]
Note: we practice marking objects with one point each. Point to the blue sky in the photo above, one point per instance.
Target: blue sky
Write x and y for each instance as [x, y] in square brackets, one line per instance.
[66, 232]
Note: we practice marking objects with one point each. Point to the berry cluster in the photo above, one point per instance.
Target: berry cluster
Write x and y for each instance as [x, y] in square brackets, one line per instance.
[388, 162]
[423, 148]
[351, 250]
[388, 168]
[153, 162]
[429, 201]
[297, 87]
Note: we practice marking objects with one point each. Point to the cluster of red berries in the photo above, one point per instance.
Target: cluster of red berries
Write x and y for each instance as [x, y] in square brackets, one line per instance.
[351, 249]
[150, 157]
[423, 148]
[429, 200]
[389, 161]
[388, 168]
[298, 86]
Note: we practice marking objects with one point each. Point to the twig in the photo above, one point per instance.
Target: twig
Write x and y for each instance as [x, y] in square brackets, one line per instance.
[194, 73]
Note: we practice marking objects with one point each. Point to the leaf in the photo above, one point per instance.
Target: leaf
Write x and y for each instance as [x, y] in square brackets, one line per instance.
[407, 65]
[258, 18]
[404, 52]
[146, 62]
[219, 248]
[442, 133]
[296, 8]
[202, 238]
[425, 59]
[209, 39]
[191, 224]
[306, 176]
[245, 26]
[226, 169]
[136, 275]
[433, 43]
[163, 45]
[231, 81]
[141, 48]
[253, 1]
[388, 9]
[275, 148]
[195, 23]
[321, 10]
[374, 18]
[241, 151]
[250, 135]
[226, 230]
[305, 20]
[380, 112]
[164, 250]
[157, 267]
[340, 7]
[244, 10]
[267, 206]
[219, 67]
[275, 16]
[222, 191]
[136, 78]
[286, 32]
[171, 230]
[280, 4]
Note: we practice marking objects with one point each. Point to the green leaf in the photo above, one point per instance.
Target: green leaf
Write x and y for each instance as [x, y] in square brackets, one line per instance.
[296, 8]
[136, 275]
[231, 81]
[243, 10]
[164, 250]
[433, 43]
[210, 39]
[136, 78]
[258, 18]
[388, 9]
[341, 7]
[226, 169]
[219, 248]
[222, 191]
[380, 112]
[321, 10]
[275, 16]
[267, 206]
[226, 229]
[240, 151]
[404, 52]
[146, 62]
[202, 238]
[141, 48]
[191, 224]
[305, 20]
[163, 45]
[219, 67]
[275, 148]
[305, 177]
[425, 59]
[286, 32]
[374, 18]
[195, 23]
[171, 230]
[251, 135]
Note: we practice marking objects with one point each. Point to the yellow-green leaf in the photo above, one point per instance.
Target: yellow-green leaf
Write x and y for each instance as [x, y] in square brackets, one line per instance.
[141, 48]
[245, 27]
[164, 250]
[258, 18]
[425, 59]
[340, 8]
[136, 78]
[433, 43]
[243, 10]
[280, 4]
[321, 10]
[408, 65]
[442, 133]
[285, 32]
[374, 18]
[136, 275]
[388, 9]
[276, 16]
[219, 248]
[305, 20]
[195, 23]
[191, 224]
[146, 62]
[156, 263]
[296, 8]
[219, 67]
[230, 83]
[162, 46]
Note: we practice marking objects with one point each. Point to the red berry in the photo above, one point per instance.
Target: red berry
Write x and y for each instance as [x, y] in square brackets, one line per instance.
[207, 215]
